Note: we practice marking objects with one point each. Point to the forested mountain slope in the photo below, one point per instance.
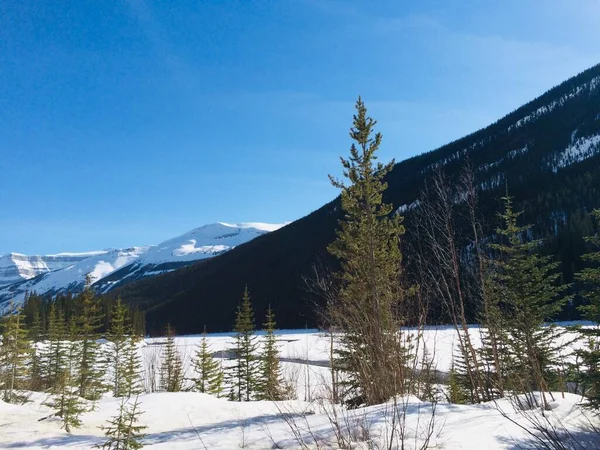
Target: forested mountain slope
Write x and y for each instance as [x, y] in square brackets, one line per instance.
[547, 152]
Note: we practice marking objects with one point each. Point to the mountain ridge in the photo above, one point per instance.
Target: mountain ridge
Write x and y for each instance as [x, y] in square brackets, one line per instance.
[67, 272]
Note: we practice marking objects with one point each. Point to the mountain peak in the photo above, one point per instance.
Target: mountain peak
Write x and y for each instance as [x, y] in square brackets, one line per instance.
[62, 272]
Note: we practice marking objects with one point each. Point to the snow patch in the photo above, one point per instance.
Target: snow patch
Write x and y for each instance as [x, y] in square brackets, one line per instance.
[509, 156]
[579, 150]
[407, 207]
[578, 90]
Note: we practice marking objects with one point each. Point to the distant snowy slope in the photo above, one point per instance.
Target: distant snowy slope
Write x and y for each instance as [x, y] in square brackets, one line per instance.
[72, 277]
[200, 243]
[206, 241]
[16, 267]
[66, 272]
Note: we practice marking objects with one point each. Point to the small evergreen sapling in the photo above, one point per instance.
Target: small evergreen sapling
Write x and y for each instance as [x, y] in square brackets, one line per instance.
[123, 432]
[209, 377]
[171, 368]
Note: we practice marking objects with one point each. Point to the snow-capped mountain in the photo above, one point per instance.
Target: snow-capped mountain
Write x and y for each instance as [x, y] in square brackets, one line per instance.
[200, 243]
[16, 267]
[66, 272]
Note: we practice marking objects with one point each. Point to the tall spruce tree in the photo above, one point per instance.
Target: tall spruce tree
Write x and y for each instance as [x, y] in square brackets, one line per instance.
[132, 367]
[243, 374]
[36, 330]
[67, 404]
[270, 386]
[118, 339]
[171, 368]
[367, 246]
[123, 431]
[530, 296]
[14, 354]
[53, 357]
[36, 335]
[208, 374]
[92, 366]
[590, 355]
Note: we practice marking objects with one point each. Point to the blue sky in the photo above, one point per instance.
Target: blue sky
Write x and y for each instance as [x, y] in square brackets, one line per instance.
[129, 122]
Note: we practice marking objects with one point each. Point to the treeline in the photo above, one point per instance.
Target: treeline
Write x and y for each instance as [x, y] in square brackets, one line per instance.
[37, 309]
[60, 353]
[69, 350]
[253, 371]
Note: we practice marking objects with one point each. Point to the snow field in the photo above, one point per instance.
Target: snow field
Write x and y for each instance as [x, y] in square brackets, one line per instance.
[189, 420]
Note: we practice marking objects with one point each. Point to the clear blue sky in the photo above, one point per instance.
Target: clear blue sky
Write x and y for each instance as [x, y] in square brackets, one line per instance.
[129, 122]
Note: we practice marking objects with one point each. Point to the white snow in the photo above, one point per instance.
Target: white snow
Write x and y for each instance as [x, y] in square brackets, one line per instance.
[579, 150]
[64, 272]
[206, 241]
[188, 420]
[586, 87]
[509, 156]
[16, 267]
[408, 207]
[492, 183]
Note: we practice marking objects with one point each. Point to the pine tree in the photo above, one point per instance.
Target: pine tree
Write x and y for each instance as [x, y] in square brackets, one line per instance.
[123, 433]
[171, 369]
[92, 366]
[367, 246]
[243, 374]
[14, 352]
[36, 331]
[459, 385]
[132, 368]
[457, 393]
[117, 337]
[590, 355]
[36, 354]
[270, 386]
[138, 321]
[209, 377]
[66, 402]
[493, 354]
[53, 357]
[527, 284]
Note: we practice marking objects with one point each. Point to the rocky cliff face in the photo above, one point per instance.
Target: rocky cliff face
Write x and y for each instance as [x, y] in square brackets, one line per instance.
[16, 267]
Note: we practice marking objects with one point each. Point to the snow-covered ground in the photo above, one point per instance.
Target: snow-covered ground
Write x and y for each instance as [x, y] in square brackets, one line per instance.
[190, 420]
